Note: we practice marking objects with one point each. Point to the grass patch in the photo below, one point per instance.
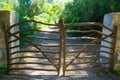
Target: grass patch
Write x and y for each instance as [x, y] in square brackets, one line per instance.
[3, 70]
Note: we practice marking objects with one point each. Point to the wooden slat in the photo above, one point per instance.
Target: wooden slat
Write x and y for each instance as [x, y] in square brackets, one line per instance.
[23, 22]
[74, 52]
[82, 44]
[86, 69]
[43, 38]
[32, 57]
[32, 69]
[46, 32]
[50, 45]
[89, 38]
[80, 38]
[87, 24]
[106, 47]
[25, 38]
[35, 47]
[87, 31]
[87, 57]
[97, 39]
[105, 41]
[19, 38]
[84, 48]
[87, 63]
[53, 52]
[36, 44]
[32, 63]
[11, 41]
[69, 45]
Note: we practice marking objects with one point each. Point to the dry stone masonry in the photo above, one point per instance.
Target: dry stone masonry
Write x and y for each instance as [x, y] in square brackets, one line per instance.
[8, 18]
[111, 20]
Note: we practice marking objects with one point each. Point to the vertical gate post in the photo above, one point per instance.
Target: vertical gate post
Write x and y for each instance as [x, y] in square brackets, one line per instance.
[61, 52]
[112, 20]
[62, 48]
[114, 45]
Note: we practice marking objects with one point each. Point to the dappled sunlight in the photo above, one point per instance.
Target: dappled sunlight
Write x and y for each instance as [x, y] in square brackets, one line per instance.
[59, 39]
[55, 52]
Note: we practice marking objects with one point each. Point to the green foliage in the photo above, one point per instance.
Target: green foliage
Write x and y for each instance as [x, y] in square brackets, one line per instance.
[50, 14]
[117, 69]
[49, 1]
[23, 7]
[112, 75]
[49, 11]
[118, 72]
[89, 10]
[27, 9]
[2, 70]
[4, 5]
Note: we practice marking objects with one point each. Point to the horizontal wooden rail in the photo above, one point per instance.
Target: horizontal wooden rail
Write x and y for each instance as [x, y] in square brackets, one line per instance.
[80, 38]
[23, 22]
[36, 44]
[88, 57]
[53, 52]
[42, 38]
[32, 57]
[26, 38]
[88, 63]
[89, 24]
[32, 69]
[33, 63]
[98, 45]
[87, 31]
[11, 41]
[89, 44]
[74, 52]
[86, 69]
[33, 30]
[92, 39]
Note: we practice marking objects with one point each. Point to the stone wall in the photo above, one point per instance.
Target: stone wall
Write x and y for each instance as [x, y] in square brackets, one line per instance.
[108, 22]
[8, 18]
[111, 20]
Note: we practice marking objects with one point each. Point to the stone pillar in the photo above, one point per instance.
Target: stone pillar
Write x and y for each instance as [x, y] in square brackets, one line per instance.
[111, 20]
[8, 18]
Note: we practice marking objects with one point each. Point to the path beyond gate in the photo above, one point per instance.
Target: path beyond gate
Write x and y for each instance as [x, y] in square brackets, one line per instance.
[64, 51]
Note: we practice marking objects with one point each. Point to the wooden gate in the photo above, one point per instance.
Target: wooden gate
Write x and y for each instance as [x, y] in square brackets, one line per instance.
[72, 50]
[90, 49]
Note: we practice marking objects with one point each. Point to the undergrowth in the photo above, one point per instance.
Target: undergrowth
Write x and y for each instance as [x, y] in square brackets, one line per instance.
[2, 70]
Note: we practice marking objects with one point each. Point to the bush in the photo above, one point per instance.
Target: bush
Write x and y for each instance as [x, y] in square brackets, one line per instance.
[3, 70]
[117, 69]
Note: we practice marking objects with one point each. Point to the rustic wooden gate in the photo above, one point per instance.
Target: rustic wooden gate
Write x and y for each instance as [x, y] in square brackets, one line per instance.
[81, 51]
[96, 50]
[20, 54]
